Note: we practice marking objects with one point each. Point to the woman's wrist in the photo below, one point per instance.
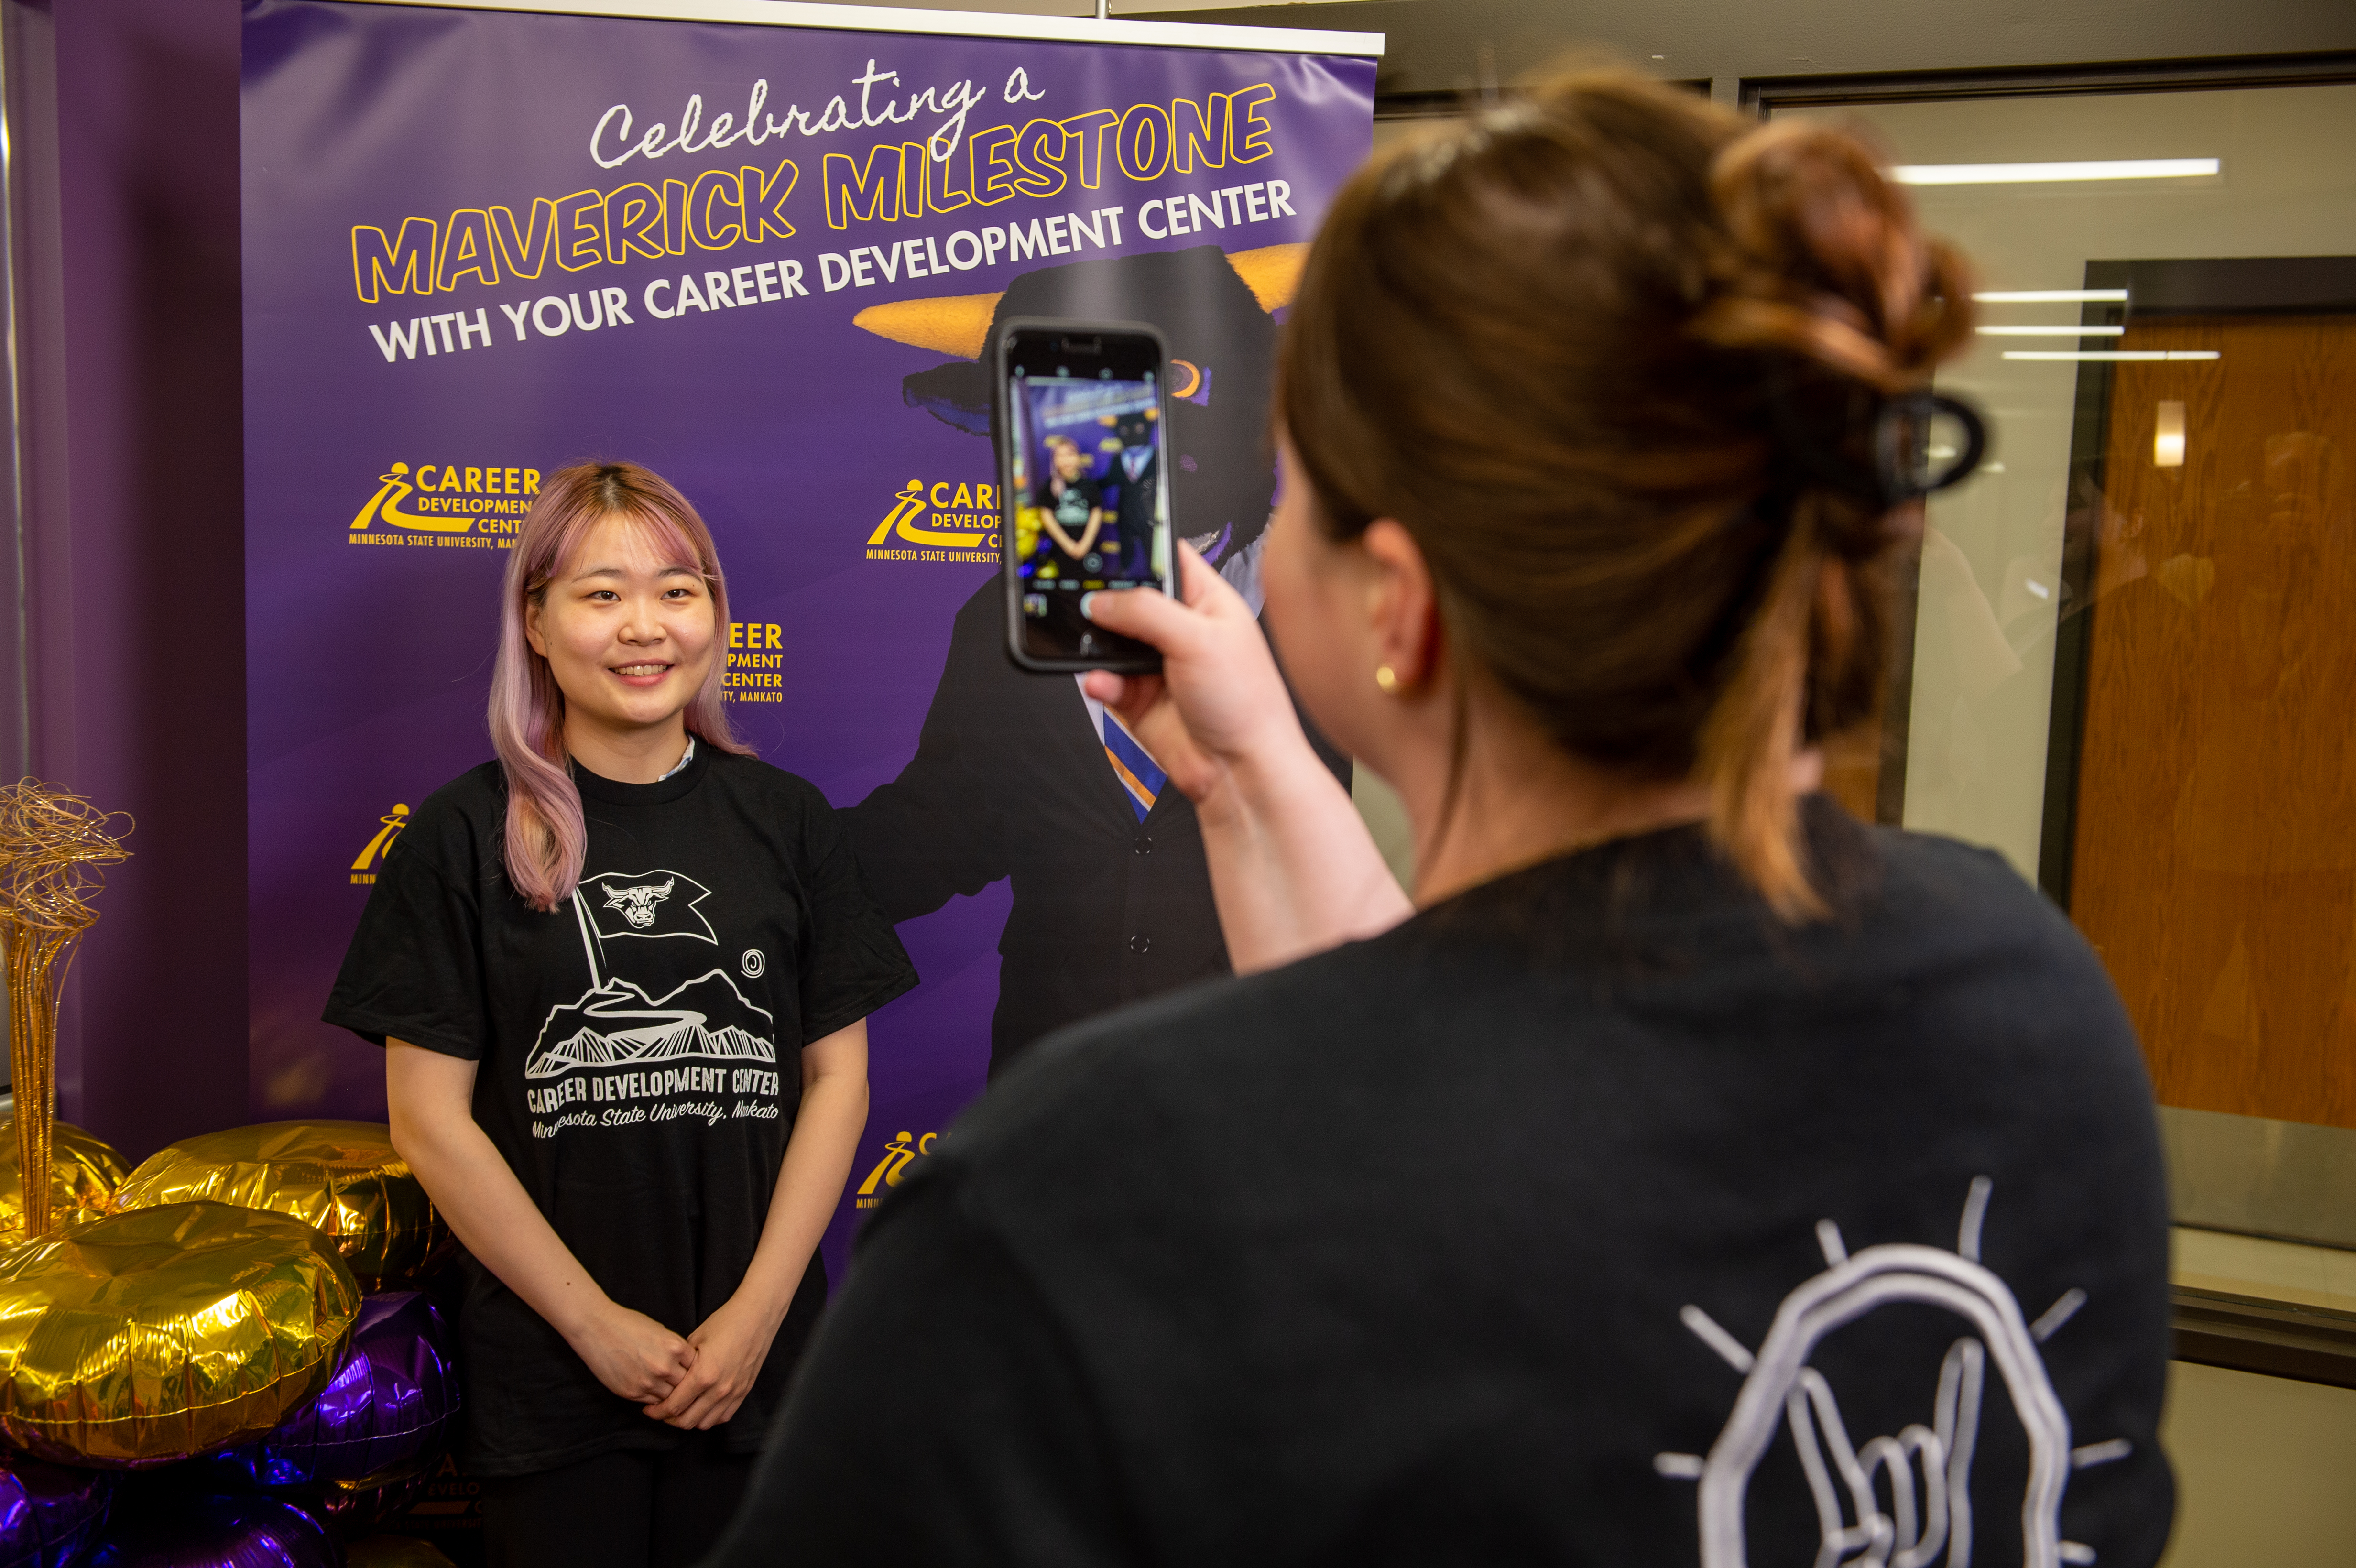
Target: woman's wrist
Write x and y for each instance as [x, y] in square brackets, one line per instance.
[768, 1303]
[578, 1310]
[1263, 782]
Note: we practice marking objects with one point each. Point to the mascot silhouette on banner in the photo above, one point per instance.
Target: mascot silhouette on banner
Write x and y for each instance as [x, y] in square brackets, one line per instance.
[1021, 776]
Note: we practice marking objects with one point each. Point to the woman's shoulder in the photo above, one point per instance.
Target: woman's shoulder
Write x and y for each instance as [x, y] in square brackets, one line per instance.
[479, 792]
[1930, 881]
[458, 825]
[484, 784]
[1937, 939]
[1952, 949]
[757, 781]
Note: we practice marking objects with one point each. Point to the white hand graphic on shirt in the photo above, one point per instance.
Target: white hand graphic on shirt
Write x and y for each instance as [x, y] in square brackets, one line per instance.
[1856, 1531]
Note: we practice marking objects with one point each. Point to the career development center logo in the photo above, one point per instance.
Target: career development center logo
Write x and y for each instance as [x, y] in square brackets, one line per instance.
[945, 521]
[898, 1154]
[447, 504]
[364, 869]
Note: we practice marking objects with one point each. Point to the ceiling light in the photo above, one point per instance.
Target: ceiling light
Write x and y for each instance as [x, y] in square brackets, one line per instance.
[2048, 297]
[2137, 354]
[2053, 331]
[2040, 173]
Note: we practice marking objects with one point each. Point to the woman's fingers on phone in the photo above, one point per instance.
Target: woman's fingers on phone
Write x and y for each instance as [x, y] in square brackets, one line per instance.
[1195, 576]
[1203, 589]
[1151, 618]
[1173, 628]
[1135, 697]
[1126, 695]
[1138, 702]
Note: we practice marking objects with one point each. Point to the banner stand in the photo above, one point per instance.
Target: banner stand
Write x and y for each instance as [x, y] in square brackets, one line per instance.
[758, 247]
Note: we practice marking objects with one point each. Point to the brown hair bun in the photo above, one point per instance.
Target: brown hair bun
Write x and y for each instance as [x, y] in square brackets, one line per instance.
[1614, 357]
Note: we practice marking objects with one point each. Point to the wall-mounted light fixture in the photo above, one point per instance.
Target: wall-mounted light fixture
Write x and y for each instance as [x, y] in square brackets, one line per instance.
[2167, 438]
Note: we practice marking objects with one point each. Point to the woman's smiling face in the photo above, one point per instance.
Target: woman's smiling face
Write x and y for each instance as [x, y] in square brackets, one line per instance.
[627, 631]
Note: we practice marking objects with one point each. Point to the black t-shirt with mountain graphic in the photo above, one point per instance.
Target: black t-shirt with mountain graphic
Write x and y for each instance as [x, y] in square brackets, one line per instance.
[639, 1049]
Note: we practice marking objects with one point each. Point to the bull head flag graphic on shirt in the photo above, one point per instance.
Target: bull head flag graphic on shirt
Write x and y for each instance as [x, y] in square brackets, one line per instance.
[647, 903]
[616, 1023]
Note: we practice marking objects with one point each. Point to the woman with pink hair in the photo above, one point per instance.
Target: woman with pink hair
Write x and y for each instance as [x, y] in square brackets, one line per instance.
[622, 975]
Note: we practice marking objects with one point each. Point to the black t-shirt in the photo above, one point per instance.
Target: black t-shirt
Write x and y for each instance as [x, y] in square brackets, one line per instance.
[1585, 1217]
[639, 1051]
[1077, 499]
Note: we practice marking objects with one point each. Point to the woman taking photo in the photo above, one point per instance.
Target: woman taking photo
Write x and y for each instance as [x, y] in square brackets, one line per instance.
[1692, 1175]
[622, 975]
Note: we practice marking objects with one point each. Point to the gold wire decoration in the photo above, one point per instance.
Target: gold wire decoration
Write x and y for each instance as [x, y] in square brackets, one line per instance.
[51, 844]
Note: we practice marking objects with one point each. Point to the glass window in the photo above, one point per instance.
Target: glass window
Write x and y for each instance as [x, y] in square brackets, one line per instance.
[2134, 653]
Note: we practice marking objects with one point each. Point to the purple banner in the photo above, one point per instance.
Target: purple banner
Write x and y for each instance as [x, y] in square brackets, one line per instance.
[762, 261]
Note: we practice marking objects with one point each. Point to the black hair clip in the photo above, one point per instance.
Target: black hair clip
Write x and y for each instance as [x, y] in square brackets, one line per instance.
[1901, 467]
[1903, 454]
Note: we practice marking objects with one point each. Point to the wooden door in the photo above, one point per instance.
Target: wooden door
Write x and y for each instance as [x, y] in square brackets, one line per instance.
[2214, 862]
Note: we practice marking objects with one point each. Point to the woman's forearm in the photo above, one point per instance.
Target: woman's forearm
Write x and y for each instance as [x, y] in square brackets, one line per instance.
[431, 1101]
[818, 1160]
[1293, 868]
[489, 1211]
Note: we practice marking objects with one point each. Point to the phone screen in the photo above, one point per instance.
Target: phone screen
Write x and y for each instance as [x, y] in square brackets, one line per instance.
[1086, 486]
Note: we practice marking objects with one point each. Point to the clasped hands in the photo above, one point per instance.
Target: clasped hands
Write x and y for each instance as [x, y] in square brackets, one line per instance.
[695, 1382]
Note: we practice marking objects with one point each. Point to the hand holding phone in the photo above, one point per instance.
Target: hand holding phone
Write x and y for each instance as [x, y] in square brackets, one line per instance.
[1082, 417]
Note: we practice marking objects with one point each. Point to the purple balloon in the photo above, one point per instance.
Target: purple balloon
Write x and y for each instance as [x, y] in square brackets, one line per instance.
[48, 1512]
[248, 1531]
[350, 1513]
[390, 1403]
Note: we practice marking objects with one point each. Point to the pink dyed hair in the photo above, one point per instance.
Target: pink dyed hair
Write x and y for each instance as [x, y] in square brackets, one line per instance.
[546, 837]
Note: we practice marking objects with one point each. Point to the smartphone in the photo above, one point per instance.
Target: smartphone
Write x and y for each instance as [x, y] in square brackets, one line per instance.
[1083, 417]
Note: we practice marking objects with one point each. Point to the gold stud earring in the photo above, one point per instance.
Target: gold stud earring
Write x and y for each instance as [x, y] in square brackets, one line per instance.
[1388, 678]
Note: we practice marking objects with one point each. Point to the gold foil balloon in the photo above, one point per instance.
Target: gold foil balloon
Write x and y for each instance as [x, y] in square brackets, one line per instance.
[84, 1171]
[142, 1338]
[49, 842]
[342, 1177]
